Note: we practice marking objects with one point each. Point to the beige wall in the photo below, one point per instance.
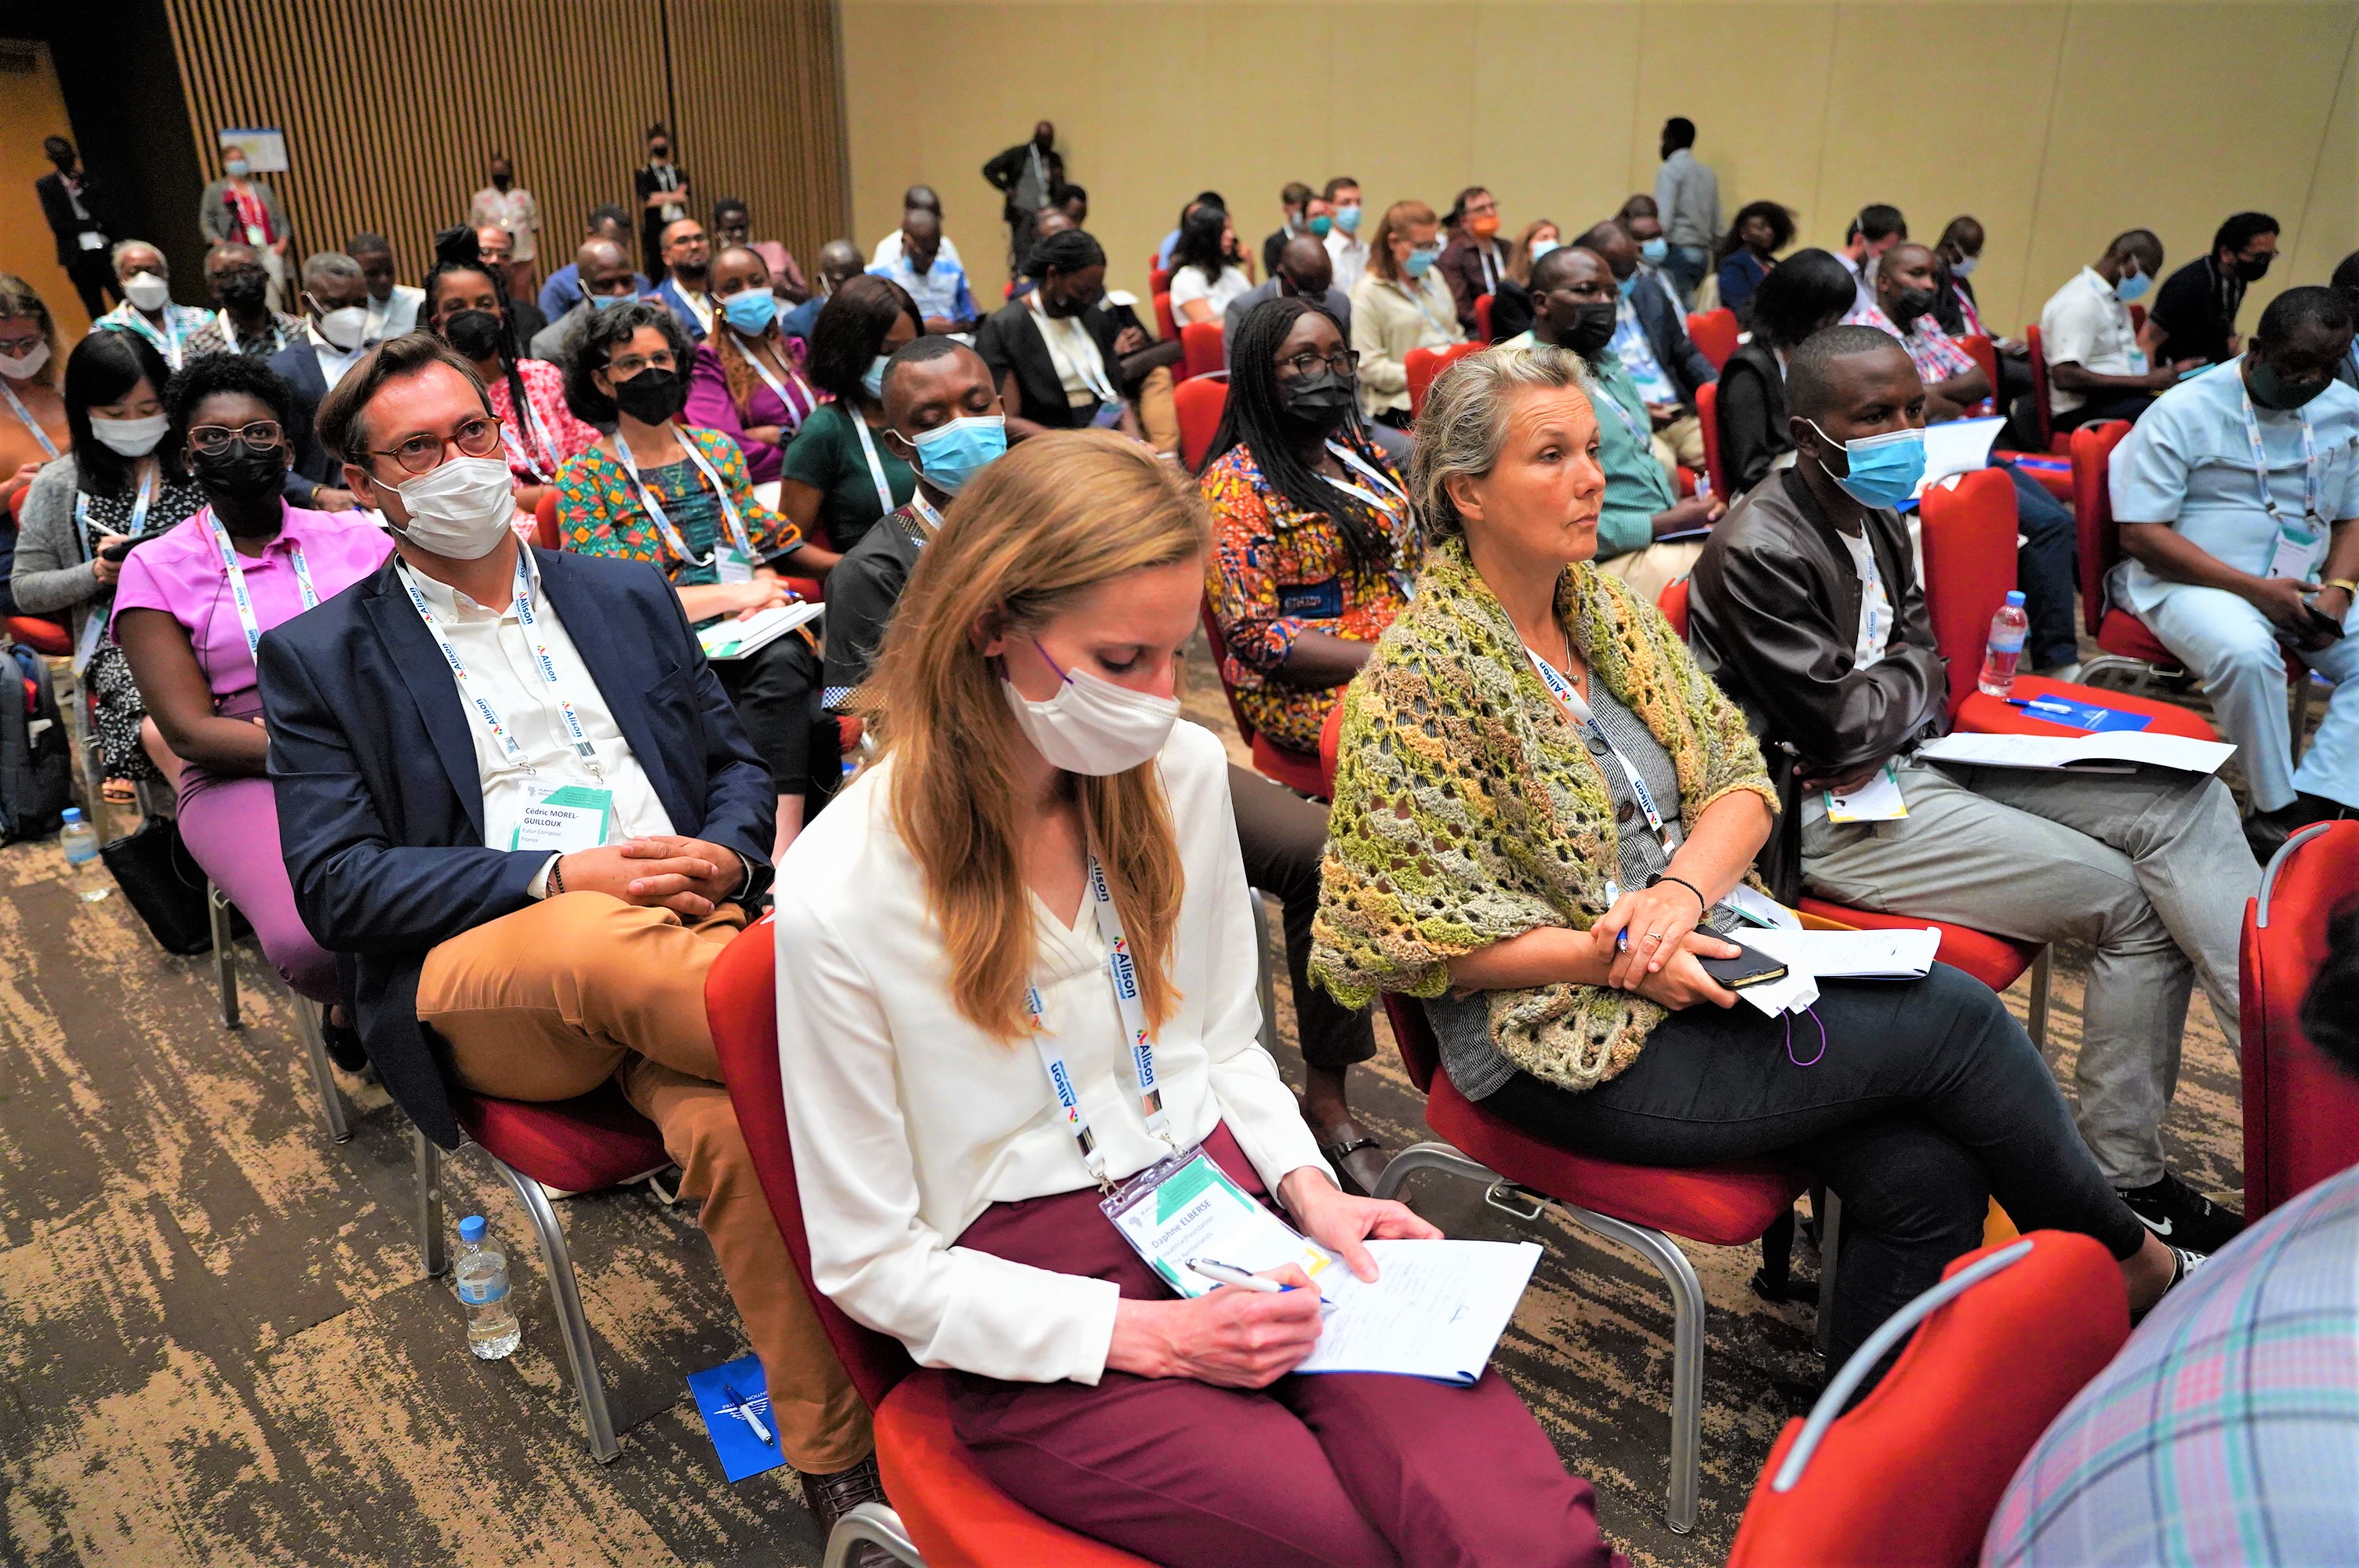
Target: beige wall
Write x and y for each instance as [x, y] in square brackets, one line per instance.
[2057, 124]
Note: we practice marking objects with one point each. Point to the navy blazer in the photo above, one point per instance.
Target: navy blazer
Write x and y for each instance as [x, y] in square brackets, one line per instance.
[1666, 334]
[381, 804]
[312, 468]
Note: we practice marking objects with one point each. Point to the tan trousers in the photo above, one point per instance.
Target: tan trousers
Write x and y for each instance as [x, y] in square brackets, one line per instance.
[1649, 571]
[547, 1003]
[1683, 438]
[1159, 410]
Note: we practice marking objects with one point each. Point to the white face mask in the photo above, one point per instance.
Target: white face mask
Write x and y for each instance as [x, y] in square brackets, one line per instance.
[343, 328]
[131, 437]
[24, 366]
[147, 291]
[460, 509]
[1093, 726]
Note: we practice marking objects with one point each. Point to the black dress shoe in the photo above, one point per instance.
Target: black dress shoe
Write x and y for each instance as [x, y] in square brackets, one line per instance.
[830, 1497]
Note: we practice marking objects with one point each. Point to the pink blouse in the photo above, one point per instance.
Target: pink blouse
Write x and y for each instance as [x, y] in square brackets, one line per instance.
[549, 423]
[180, 574]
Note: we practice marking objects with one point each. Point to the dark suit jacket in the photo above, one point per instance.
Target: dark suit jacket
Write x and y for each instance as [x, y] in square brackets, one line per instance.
[1010, 340]
[1007, 167]
[313, 467]
[57, 206]
[1752, 414]
[1667, 334]
[381, 806]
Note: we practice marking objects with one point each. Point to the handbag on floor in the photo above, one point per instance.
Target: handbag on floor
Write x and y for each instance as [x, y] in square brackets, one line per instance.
[164, 883]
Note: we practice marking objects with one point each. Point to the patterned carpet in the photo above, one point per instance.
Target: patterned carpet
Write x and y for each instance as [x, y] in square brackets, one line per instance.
[217, 1348]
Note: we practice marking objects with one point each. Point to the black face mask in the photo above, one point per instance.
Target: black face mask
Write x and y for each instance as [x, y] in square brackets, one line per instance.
[475, 333]
[1591, 330]
[503, 180]
[1070, 306]
[2252, 269]
[244, 291]
[660, 150]
[652, 396]
[1909, 303]
[1321, 400]
[238, 474]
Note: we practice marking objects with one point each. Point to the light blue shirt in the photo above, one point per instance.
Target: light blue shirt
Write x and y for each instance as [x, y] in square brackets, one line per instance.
[1637, 355]
[2189, 462]
[939, 290]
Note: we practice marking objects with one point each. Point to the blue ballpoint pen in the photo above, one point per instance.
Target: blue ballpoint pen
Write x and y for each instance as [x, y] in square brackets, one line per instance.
[746, 1410]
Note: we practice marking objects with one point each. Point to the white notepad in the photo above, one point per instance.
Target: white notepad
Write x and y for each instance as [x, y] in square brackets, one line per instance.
[734, 639]
[1849, 955]
[2108, 750]
[1436, 1309]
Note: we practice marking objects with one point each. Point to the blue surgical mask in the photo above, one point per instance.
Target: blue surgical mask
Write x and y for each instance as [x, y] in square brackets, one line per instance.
[1657, 251]
[872, 382]
[1628, 286]
[950, 455]
[751, 311]
[1964, 267]
[1419, 263]
[1542, 247]
[2130, 287]
[1348, 218]
[1884, 468]
[611, 301]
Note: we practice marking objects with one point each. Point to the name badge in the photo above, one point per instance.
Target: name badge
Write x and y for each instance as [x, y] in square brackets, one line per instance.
[93, 627]
[2298, 553]
[1761, 909]
[1878, 800]
[91, 240]
[1185, 1206]
[1108, 416]
[566, 821]
[256, 235]
[1320, 599]
[2139, 365]
[729, 563]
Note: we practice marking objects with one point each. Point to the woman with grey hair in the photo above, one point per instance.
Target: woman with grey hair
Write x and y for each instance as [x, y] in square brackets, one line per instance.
[1543, 815]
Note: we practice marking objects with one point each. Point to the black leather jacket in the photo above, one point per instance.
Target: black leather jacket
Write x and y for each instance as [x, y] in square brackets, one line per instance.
[1773, 616]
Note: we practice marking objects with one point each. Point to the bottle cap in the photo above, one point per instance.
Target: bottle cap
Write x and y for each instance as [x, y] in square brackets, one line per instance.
[470, 1229]
[2015, 596]
[73, 814]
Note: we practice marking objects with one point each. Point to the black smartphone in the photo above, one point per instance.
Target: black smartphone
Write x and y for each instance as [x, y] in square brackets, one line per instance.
[1748, 969]
[120, 549]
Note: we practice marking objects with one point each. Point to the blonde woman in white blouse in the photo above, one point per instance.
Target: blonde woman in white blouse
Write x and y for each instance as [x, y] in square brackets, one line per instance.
[1403, 303]
[940, 943]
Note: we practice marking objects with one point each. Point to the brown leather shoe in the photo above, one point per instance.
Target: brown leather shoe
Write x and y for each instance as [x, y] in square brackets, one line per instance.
[830, 1497]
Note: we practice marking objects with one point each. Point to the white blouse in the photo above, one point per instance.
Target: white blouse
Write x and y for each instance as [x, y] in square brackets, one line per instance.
[910, 1121]
[1189, 284]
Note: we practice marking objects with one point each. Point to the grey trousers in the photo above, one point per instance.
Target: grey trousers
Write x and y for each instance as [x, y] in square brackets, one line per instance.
[2151, 869]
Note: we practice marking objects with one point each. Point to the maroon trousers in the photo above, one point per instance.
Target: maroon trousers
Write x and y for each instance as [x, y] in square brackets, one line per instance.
[1338, 1469]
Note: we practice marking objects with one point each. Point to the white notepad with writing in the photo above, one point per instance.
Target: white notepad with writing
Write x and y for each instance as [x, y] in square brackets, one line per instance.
[2107, 749]
[1849, 955]
[1435, 1311]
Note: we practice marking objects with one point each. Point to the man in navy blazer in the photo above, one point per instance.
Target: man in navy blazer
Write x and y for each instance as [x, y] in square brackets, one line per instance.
[514, 797]
[335, 309]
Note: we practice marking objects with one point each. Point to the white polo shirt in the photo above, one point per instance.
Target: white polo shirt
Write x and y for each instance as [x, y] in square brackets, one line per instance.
[2085, 323]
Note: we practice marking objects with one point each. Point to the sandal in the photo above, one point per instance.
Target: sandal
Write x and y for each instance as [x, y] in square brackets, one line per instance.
[119, 792]
[1358, 1159]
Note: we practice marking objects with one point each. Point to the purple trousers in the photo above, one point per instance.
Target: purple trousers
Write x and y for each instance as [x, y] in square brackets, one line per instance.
[230, 827]
[1338, 1469]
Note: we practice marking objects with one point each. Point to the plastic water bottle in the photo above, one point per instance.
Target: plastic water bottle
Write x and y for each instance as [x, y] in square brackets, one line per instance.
[2005, 651]
[87, 877]
[482, 1274]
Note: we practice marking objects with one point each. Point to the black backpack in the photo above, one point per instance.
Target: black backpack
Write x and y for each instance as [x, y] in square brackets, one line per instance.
[36, 754]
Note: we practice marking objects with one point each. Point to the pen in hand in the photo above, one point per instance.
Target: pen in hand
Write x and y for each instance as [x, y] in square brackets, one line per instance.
[1230, 1274]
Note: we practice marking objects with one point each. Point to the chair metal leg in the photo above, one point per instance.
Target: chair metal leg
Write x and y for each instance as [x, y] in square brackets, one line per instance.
[308, 1016]
[872, 1524]
[565, 1294]
[2301, 689]
[1267, 979]
[433, 1246]
[2094, 670]
[1657, 1248]
[2043, 972]
[224, 953]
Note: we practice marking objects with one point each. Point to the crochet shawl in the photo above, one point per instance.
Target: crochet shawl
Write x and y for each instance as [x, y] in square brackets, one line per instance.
[1468, 810]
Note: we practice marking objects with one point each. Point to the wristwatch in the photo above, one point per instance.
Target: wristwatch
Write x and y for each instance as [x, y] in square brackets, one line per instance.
[2346, 584]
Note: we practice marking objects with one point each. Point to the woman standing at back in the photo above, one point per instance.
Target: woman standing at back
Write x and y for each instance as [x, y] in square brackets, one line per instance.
[946, 942]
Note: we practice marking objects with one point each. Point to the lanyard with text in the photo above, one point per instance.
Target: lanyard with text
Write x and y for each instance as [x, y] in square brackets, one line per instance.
[1123, 973]
[543, 466]
[1644, 434]
[166, 342]
[735, 526]
[800, 402]
[926, 514]
[16, 406]
[2261, 463]
[876, 463]
[1569, 695]
[1391, 494]
[238, 595]
[139, 505]
[697, 308]
[510, 747]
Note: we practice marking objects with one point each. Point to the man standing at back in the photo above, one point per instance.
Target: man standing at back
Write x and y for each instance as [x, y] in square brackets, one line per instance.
[511, 790]
[1687, 195]
[71, 206]
[1023, 175]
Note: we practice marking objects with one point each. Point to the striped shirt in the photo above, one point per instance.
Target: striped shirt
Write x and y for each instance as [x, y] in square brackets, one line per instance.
[1935, 354]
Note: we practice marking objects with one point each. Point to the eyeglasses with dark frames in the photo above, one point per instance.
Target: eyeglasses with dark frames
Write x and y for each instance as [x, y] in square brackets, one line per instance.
[476, 436]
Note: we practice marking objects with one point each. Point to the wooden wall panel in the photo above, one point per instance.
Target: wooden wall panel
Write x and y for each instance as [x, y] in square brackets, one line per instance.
[391, 112]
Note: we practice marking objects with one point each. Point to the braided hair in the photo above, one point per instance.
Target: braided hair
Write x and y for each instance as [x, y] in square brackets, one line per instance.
[450, 267]
[1257, 419]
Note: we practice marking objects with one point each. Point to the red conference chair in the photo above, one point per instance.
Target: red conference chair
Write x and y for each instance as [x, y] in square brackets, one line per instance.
[1483, 319]
[571, 1146]
[1714, 334]
[1970, 564]
[2302, 1114]
[2050, 439]
[1166, 327]
[942, 1507]
[46, 638]
[1199, 403]
[1639, 1207]
[1200, 349]
[1996, 961]
[1708, 418]
[1158, 276]
[1425, 366]
[1293, 769]
[544, 521]
[1986, 354]
[1911, 1476]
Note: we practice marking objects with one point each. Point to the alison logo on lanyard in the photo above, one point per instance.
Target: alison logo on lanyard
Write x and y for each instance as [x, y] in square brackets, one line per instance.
[542, 467]
[1122, 972]
[798, 403]
[1569, 695]
[235, 573]
[94, 626]
[510, 747]
[2299, 551]
[735, 565]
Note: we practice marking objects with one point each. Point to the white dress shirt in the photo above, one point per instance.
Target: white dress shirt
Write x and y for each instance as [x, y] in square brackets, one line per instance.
[500, 667]
[910, 1121]
[333, 361]
[1347, 254]
[393, 316]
